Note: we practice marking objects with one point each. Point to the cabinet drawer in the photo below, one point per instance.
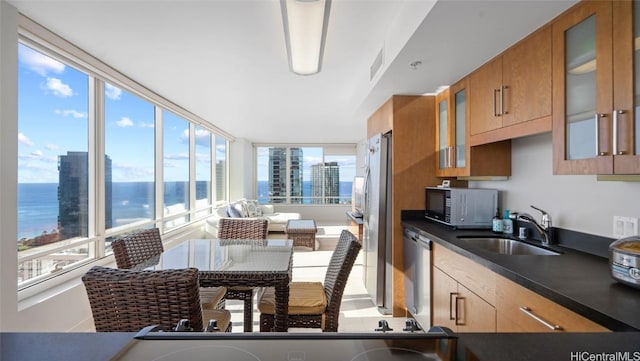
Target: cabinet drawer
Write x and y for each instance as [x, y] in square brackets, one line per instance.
[477, 278]
[522, 310]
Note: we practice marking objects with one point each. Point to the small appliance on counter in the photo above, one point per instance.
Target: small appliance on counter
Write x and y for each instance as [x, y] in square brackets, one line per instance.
[461, 207]
[624, 259]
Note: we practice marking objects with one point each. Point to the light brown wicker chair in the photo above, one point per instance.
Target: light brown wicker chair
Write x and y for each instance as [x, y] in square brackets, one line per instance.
[126, 301]
[243, 229]
[316, 304]
[136, 248]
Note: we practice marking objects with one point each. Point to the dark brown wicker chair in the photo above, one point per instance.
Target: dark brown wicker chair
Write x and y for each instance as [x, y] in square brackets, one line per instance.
[126, 301]
[243, 229]
[315, 304]
[139, 247]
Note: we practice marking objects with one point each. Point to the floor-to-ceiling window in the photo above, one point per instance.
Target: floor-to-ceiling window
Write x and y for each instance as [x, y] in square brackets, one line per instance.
[129, 174]
[53, 175]
[176, 168]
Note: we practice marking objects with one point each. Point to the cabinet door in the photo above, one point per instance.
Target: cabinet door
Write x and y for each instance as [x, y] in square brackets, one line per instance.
[443, 130]
[485, 87]
[472, 313]
[626, 90]
[445, 289]
[582, 91]
[526, 78]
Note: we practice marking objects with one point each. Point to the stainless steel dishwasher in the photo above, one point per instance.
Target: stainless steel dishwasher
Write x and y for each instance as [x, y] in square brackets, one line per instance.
[417, 275]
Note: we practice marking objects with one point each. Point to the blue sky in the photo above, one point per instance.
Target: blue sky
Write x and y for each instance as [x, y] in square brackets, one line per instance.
[53, 120]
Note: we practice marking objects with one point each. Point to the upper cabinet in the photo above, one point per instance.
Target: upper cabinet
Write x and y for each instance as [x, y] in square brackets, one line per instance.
[510, 96]
[455, 157]
[595, 49]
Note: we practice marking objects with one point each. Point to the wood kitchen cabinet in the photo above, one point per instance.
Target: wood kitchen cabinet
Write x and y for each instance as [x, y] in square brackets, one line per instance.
[521, 310]
[456, 158]
[463, 293]
[510, 96]
[459, 309]
[468, 297]
[595, 48]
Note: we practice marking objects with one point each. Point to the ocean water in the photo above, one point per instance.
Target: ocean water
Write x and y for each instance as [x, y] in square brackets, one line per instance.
[38, 202]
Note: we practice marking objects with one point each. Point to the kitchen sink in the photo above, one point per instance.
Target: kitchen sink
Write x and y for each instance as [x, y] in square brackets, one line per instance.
[507, 246]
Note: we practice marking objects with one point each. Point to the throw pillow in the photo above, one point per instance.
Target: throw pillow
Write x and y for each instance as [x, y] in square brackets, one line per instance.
[252, 208]
[233, 212]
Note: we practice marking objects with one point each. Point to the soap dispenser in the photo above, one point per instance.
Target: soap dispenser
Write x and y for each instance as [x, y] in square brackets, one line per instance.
[507, 222]
[496, 225]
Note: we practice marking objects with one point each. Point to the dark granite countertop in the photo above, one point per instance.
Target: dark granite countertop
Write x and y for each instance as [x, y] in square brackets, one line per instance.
[576, 280]
[470, 346]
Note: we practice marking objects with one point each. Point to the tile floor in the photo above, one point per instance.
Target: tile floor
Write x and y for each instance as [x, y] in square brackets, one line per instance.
[357, 313]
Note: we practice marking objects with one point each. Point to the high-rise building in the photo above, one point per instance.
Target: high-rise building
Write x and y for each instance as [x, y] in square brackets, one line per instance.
[73, 194]
[278, 179]
[325, 183]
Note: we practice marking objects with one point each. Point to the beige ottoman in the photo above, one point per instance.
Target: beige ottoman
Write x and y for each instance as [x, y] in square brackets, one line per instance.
[302, 232]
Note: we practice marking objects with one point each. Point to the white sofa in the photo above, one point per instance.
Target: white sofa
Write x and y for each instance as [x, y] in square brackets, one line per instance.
[277, 220]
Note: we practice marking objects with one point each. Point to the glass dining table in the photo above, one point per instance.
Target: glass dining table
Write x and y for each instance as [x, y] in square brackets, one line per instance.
[249, 263]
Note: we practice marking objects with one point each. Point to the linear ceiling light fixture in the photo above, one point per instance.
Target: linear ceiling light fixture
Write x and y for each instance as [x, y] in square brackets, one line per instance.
[305, 30]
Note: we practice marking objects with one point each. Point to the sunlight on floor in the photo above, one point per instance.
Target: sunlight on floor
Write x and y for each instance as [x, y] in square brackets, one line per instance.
[358, 314]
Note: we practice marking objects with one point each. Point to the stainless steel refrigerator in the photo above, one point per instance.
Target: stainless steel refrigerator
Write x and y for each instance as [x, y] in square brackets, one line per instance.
[377, 221]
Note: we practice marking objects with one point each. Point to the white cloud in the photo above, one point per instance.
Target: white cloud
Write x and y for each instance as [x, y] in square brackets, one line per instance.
[178, 156]
[147, 125]
[124, 122]
[38, 62]
[112, 92]
[58, 87]
[51, 146]
[24, 140]
[37, 153]
[72, 113]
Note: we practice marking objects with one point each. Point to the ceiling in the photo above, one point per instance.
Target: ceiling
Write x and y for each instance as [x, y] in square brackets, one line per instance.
[226, 60]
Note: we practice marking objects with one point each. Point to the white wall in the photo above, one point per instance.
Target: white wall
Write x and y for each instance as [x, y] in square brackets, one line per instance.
[576, 202]
[242, 170]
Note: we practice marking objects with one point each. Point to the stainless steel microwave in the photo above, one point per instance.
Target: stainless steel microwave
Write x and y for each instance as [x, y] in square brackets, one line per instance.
[461, 207]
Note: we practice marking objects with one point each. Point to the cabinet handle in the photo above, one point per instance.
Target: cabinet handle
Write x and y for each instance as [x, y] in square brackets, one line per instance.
[451, 294]
[615, 131]
[598, 116]
[450, 157]
[495, 111]
[530, 313]
[453, 156]
[502, 108]
[458, 323]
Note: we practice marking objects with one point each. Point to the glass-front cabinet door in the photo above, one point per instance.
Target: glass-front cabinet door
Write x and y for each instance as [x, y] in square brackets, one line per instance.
[582, 90]
[451, 123]
[443, 130]
[596, 89]
[626, 87]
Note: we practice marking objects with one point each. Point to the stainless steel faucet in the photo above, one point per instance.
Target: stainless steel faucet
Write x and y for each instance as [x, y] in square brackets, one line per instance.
[544, 227]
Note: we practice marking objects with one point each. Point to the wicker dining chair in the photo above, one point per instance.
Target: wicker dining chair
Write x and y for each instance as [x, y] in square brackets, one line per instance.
[125, 300]
[316, 304]
[136, 248]
[243, 229]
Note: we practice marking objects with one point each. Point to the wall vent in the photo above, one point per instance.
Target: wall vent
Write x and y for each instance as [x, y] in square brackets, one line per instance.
[377, 64]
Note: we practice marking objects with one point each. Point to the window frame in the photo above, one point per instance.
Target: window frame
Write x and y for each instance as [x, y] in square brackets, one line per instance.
[331, 150]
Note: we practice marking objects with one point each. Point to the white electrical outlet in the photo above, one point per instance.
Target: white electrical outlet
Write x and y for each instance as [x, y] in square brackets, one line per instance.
[624, 226]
